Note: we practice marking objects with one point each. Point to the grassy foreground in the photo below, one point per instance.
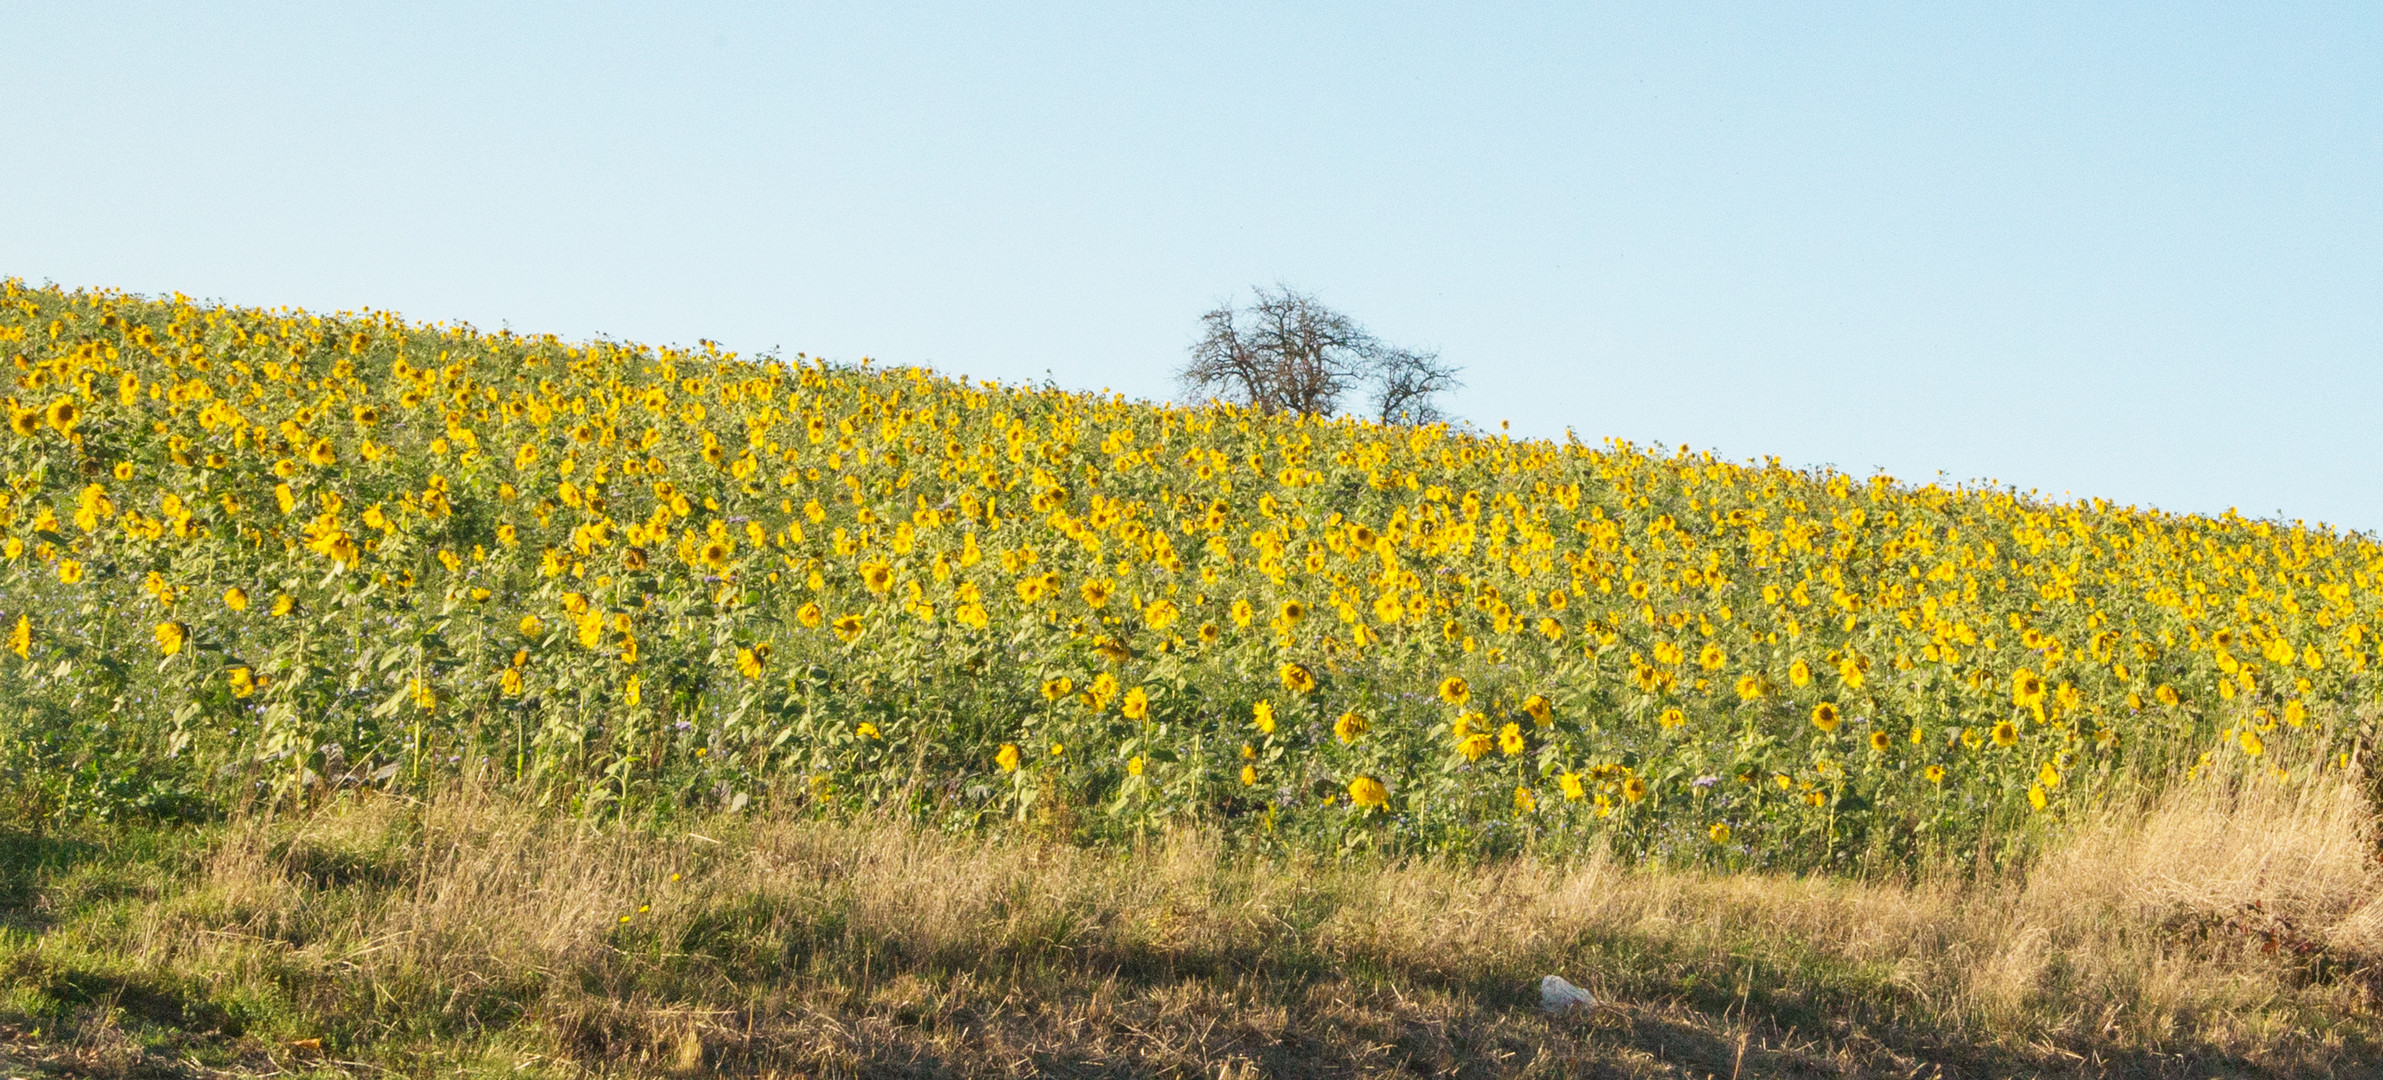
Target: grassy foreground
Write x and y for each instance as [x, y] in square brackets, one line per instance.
[2230, 929]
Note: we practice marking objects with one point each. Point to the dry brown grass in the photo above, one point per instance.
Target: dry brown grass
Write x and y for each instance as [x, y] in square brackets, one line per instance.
[2233, 927]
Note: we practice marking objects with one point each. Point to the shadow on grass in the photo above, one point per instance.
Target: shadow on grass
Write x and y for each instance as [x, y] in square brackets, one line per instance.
[28, 859]
[62, 993]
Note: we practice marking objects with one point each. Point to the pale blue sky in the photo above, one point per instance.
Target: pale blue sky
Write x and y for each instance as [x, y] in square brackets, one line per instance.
[2134, 252]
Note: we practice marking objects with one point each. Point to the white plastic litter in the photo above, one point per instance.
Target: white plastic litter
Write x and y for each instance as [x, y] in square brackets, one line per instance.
[1561, 997]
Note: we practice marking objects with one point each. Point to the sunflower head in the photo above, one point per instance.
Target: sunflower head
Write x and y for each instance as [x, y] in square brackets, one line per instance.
[1367, 793]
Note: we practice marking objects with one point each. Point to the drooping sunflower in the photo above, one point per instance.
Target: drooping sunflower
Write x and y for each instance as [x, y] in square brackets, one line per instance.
[1367, 793]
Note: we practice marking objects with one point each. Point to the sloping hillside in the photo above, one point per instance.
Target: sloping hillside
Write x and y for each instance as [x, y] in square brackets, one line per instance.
[257, 554]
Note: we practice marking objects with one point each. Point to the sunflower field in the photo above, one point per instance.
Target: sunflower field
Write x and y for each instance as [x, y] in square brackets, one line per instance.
[249, 556]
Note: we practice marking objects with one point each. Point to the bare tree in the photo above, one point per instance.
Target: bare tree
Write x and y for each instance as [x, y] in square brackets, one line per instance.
[1286, 352]
[1407, 384]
